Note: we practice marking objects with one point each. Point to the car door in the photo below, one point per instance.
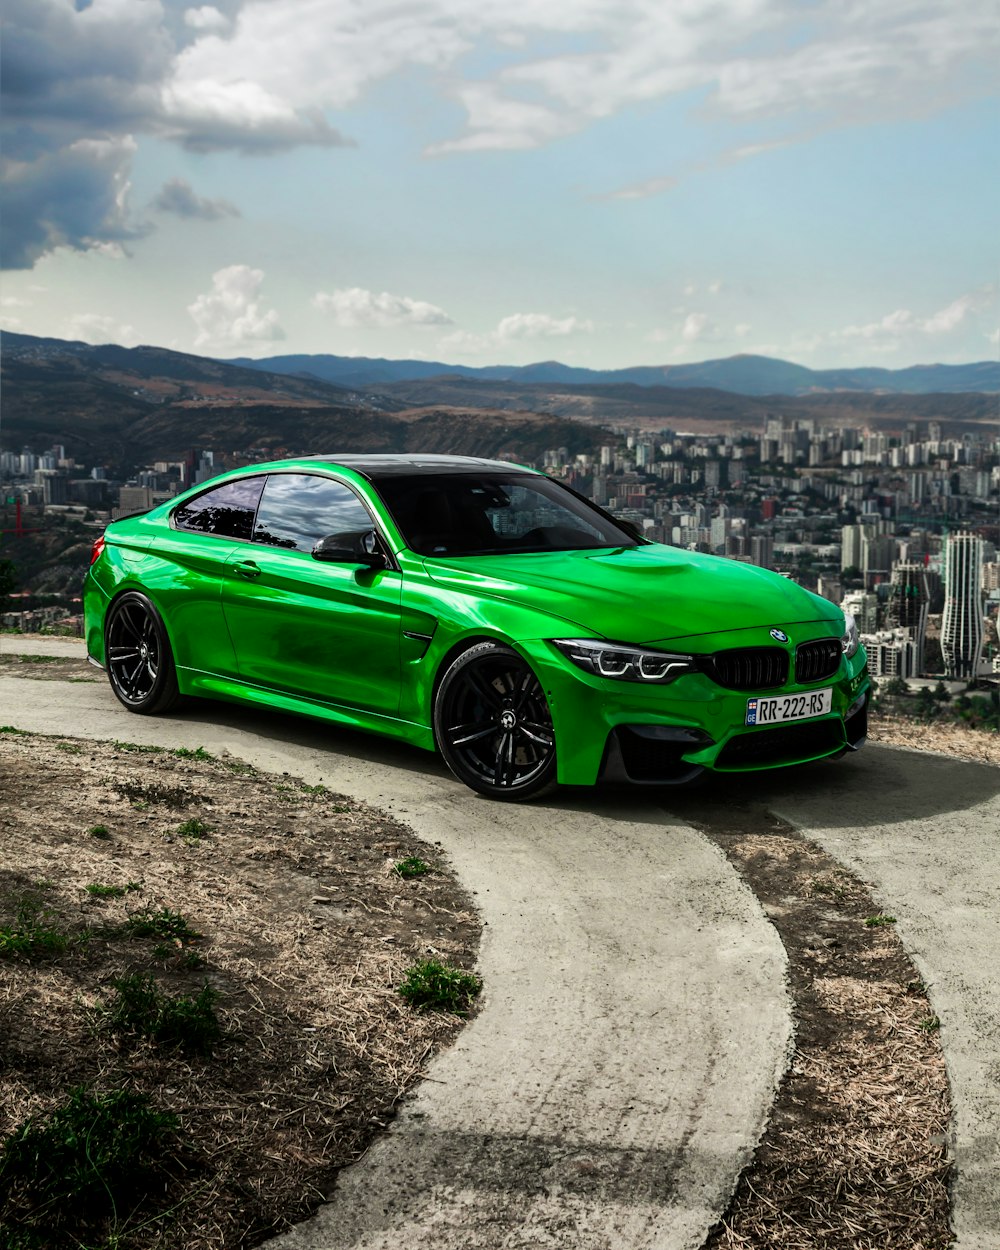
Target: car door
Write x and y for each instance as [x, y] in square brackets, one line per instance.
[309, 627]
[187, 577]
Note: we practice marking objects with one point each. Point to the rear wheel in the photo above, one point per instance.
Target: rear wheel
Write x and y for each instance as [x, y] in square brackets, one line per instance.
[137, 655]
[493, 726]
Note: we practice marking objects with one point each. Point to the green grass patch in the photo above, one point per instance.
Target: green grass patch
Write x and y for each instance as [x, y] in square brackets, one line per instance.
[434, 986]
[238, 766]
[96, 890]
[412, 866]
[185, 753]
[10, 729]
[162, 924]
[137, 748]
[141, 1009]
[89, 1161]
[193, 829]
[70, 747]
[31, 936]
[930, 1025]
[879, 921]
[99, 831]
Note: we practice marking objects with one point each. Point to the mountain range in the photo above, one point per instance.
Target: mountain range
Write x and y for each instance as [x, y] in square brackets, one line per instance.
[743, 375]
[125, 407]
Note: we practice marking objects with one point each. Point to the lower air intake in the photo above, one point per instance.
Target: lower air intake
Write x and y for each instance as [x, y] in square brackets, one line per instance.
[785, 744]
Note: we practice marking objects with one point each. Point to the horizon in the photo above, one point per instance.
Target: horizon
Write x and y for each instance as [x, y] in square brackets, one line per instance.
[583, 181]
[501, 364]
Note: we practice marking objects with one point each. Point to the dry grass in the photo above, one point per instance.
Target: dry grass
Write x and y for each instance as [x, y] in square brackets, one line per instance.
[958, 741]
[307, 934]
[855, 1156]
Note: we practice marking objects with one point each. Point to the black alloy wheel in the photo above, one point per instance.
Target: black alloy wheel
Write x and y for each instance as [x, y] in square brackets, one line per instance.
[492, 724]
[137, 655]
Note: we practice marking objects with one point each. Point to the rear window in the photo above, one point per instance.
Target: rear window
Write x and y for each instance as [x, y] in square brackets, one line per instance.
[226, 510]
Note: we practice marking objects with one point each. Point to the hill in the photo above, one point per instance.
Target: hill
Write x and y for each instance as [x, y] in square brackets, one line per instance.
[743, 375]
[660, 407]
[128, 406]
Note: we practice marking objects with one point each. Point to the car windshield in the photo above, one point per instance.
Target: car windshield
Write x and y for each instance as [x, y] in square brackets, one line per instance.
[458, 514]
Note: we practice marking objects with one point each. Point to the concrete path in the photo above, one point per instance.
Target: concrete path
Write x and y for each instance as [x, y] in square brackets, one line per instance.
[42, 644]
[635, 1020]
[924, 830]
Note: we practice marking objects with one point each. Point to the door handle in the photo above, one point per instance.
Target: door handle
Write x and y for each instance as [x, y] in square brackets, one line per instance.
[247, 568]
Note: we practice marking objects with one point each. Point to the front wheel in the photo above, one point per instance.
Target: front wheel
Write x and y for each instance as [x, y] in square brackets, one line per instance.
[493, 726]
[137, 655]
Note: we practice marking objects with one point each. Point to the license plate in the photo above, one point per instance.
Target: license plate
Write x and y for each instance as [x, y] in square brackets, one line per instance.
[776, 709]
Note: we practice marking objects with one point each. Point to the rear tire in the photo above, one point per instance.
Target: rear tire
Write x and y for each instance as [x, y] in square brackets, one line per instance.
[137, 655]
[493, 726]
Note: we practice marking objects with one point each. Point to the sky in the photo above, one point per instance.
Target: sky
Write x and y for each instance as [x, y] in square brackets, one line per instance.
[603, 182]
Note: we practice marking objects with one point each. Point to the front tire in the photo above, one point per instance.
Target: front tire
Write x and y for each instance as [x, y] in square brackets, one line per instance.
[139, 662]
[493, 726]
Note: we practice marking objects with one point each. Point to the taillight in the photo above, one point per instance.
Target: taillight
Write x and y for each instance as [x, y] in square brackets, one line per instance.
[97, 549]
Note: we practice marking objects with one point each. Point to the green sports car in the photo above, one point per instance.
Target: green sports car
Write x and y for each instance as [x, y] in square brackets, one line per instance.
[477, 608]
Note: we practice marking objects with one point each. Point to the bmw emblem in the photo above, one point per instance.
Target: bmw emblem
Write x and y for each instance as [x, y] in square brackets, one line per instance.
[779, 635]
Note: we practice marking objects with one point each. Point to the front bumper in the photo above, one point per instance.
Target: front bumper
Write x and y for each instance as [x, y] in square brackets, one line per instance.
[669, 734]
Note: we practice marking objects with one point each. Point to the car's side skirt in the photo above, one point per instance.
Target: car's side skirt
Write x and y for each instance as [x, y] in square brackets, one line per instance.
[211, 686]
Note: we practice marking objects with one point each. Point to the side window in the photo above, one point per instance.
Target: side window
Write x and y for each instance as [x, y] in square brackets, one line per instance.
[298, 509]
[227, 510]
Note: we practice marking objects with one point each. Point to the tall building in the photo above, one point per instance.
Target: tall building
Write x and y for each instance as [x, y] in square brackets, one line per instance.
[908, 604]
[850, 549]
[863, 606]
[892, 653]
[962, 624]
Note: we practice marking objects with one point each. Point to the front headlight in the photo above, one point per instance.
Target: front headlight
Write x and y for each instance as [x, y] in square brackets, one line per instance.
[625, 663]
[850, 640]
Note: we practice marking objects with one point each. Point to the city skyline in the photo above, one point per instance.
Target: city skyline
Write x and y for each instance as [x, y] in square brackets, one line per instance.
[596, 182]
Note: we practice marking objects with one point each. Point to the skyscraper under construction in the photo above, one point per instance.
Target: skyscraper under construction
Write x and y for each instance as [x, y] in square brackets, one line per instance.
[962, 624]
[907, 606]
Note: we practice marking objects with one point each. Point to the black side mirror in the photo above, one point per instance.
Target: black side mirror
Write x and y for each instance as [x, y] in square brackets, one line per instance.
[354, 547]
[631, 528]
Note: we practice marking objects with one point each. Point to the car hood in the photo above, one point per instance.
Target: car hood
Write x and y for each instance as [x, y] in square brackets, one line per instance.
[650, 593]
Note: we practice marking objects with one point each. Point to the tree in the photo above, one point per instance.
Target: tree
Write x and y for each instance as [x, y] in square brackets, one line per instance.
[925, 707]
[941, 692]
[8, 580]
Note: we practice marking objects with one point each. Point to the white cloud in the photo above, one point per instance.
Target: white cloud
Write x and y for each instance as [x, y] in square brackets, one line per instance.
[230, 315]
[695, 327]
[354, 306]
[267, 74]
[953, 314]
[517, 328]
[206, 18]
[904, 326]
[99, 329]
[465, 343]
[540, 326]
